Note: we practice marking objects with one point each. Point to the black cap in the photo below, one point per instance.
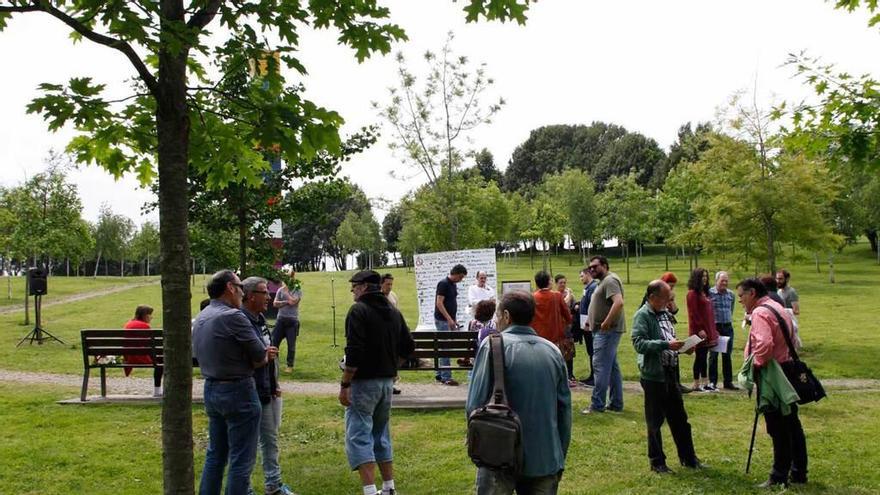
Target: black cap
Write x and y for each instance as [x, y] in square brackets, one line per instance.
[366, 277]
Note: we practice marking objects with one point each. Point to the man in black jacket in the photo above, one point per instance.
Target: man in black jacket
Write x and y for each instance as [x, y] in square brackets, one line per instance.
[377, 338]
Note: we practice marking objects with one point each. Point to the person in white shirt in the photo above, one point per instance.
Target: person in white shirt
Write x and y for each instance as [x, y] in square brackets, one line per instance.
[479, 292]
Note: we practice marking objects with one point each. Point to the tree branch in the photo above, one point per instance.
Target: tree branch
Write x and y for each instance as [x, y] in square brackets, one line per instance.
[204, 15]
[98, 38]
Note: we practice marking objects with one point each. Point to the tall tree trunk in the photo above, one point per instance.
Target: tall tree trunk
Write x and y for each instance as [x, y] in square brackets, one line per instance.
[97, 263]
[172, 125]
[626, 253]
[242, 240]
[831, 268]
[666, 254]
[771, 244]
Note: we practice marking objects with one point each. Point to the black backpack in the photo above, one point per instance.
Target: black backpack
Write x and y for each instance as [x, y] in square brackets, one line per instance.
[494, 430]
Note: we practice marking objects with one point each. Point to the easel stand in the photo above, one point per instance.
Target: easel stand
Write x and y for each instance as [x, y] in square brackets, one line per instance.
[333, 307]
[38, 334]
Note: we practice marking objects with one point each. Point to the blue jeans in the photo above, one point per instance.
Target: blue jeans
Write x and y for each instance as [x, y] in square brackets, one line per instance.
[233, 410]
[443, 326]
[367, 430]
[491, 482]
[269, 424]
[607, 371]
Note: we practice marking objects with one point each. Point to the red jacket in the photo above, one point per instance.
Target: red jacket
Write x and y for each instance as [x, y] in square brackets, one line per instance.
[701, 316]
[552, 315]
[136, 325]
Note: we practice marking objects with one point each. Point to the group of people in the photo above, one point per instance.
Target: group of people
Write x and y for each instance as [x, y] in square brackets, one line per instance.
[238, 358]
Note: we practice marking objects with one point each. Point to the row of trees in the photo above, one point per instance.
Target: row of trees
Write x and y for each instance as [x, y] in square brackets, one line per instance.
[737, 188]
[41, 224]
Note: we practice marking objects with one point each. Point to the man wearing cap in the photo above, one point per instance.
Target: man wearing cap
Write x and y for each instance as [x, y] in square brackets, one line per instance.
[376, 339]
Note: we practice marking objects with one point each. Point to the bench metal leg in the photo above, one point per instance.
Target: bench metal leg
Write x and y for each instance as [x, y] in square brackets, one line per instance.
[103, 382]
[85, 387]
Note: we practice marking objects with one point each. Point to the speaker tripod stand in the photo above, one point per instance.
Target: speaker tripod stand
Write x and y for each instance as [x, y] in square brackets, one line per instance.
[38, 335]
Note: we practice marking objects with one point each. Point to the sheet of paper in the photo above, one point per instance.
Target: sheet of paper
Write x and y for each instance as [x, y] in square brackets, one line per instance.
[583, 322]
[690, 342]
[721, 346]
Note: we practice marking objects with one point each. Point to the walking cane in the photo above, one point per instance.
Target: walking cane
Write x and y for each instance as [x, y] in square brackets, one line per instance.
[755, 424]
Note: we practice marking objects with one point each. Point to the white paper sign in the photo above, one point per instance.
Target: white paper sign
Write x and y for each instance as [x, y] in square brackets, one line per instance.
[431, 268]
[690, 342]
[721, 346]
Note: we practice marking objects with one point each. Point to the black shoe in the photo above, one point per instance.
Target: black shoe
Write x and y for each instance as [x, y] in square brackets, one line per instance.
[694, 464]
[684, 390]
[395, 391]
[588, 382]
[730, 386]
[798, 480]
[771, 483]
[661, 469]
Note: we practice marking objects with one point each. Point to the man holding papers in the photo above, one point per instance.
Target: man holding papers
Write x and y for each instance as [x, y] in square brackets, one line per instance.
[654, 341]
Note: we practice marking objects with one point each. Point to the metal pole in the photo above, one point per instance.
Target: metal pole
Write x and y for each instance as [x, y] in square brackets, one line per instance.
[333, 307]
[756, 379]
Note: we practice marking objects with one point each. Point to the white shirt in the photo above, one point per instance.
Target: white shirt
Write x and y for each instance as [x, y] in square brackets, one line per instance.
[477, 294]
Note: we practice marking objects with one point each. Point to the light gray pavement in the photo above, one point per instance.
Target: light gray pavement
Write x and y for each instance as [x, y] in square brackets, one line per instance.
[139, 387]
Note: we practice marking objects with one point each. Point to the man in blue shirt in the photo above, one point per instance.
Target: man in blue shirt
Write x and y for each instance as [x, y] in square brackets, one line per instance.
[722, 305]
[590, 285]
[536, 381]
[228, 351]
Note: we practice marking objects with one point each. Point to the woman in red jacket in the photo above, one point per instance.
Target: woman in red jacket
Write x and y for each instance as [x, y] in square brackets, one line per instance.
[143, 314]
[701, 321]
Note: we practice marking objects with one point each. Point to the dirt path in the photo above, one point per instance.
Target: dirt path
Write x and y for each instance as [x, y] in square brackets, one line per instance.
[79, 297]
[141, 383]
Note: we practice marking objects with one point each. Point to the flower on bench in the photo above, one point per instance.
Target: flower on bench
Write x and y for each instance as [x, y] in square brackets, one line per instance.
[107, 360]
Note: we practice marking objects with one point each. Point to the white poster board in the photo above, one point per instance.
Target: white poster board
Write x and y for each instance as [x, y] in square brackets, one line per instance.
[431, 268]
[512, 285]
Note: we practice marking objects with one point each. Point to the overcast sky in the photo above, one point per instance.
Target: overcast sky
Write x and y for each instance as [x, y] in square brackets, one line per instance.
[646, 65]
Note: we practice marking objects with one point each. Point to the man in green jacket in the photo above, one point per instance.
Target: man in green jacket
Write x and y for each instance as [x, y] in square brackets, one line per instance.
[654, 340]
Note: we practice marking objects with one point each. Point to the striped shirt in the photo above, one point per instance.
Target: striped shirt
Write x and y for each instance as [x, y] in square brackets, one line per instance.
[722, 304]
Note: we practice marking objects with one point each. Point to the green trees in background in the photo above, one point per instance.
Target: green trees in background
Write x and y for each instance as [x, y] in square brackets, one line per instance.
[144, 246]
[625, 211]
[163, 128]
[482, 213]
[600, 149]
[430, 122]
[112, 234]
[360, 233]
[42, 220]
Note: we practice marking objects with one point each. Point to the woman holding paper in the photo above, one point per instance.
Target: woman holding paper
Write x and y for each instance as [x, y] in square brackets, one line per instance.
[701, 322]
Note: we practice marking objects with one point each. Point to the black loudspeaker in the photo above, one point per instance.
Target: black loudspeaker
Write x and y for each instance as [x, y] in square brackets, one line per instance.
[37, 282]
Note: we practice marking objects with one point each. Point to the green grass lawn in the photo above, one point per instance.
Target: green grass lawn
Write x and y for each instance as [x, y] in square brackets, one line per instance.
[113, 449]
[60, 287]
[838, 321]
[47, 448]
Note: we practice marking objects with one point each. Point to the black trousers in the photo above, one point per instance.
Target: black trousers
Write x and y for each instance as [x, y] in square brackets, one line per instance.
[789, 446]
[286, 328]
[663, 402]
[700, 363]
[588, 341]
[726, 330]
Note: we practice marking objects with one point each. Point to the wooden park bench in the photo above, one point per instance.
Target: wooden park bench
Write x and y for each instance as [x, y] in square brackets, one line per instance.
[100, 343]
[435, 345]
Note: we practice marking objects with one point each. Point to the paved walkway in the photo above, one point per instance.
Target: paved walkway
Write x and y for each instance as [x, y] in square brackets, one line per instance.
[141, 385]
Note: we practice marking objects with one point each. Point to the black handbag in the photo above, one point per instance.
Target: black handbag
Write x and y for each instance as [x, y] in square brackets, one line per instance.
[801, 377]
[494, 438]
